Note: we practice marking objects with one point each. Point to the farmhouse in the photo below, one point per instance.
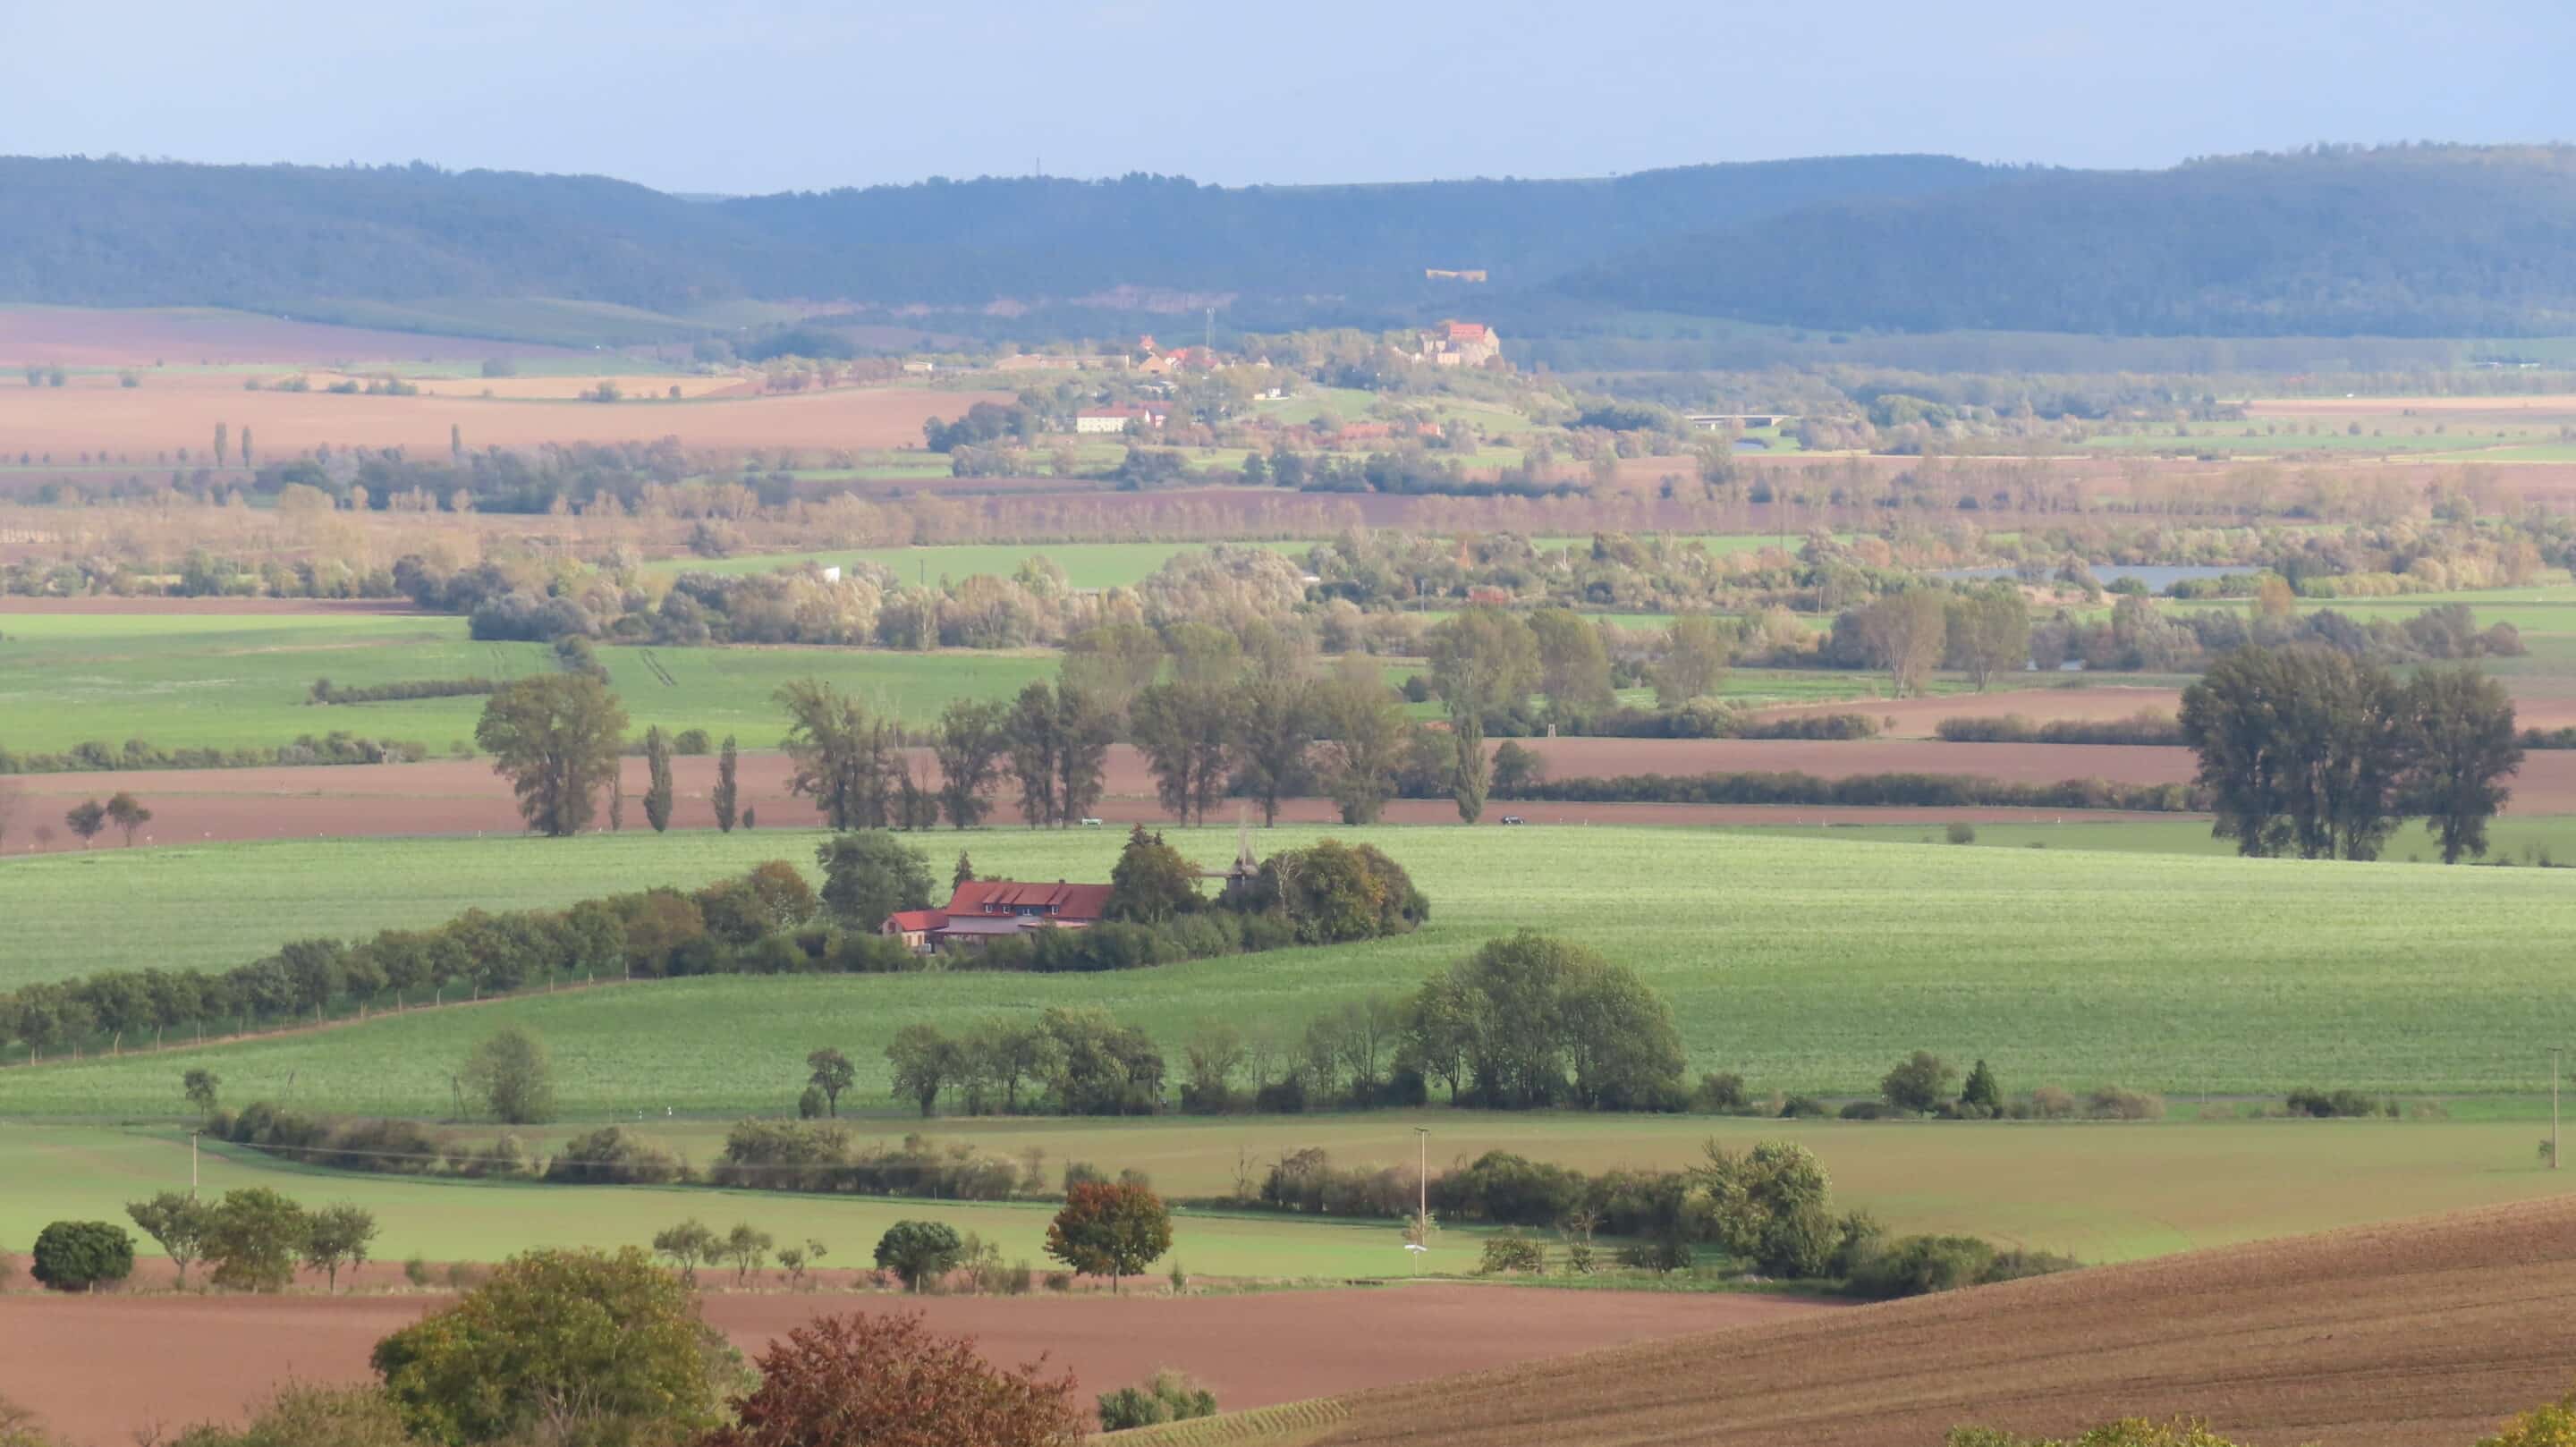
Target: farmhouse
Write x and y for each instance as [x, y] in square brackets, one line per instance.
[1461, 344]
[1116, 418]
[983, 910]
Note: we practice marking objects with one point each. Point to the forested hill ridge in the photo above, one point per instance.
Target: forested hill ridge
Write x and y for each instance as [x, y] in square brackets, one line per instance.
[125, 233]
[2406, 241]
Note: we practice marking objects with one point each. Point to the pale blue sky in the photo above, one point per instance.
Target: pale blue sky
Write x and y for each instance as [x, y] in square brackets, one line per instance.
[761, 95]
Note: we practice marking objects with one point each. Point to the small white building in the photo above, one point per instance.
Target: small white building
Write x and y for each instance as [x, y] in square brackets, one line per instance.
[1095, 420]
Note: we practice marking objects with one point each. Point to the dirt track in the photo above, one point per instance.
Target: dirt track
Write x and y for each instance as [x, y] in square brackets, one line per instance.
[72, 1359]
[2423, 1334]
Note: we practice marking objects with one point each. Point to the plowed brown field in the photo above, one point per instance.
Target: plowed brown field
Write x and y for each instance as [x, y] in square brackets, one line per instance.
[2422, 1334]
[73, 1359]
[95, 415]
[466, 797]
[1916, 718]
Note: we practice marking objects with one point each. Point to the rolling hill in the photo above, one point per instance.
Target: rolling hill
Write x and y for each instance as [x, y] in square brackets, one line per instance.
[2419, 1333]
[2417, 241]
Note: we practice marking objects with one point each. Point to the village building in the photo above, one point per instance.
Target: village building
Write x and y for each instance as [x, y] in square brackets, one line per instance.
[1460, 344]
[1115, 419]
[984, 910]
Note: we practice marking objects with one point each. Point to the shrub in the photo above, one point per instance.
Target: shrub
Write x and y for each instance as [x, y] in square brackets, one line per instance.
[416, 1271]
[1869, 1110]
[2114, 1102]
[1920, 1083]
[1721, 1094]
[1509, 1253]
[1920, 1265]
[2052, 1102]
[1961, 832]
[82, 1255]
[2340, 1103]
[690, 741]
[889, 1381]
[2135, 1432]
[303, 1415]
[1797, 1106]
[1169, 1397]
[253, 1237]
[612, 1156]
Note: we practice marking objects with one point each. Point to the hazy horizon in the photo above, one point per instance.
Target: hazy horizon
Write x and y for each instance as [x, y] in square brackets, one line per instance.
[801, 95]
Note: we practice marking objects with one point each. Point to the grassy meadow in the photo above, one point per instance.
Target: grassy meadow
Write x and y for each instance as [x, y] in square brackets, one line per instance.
[2512, 838]
[231, 681]
[1806, 963]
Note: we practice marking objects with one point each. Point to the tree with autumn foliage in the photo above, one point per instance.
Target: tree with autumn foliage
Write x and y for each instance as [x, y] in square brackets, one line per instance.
[889, 1381]
[1109, 1229]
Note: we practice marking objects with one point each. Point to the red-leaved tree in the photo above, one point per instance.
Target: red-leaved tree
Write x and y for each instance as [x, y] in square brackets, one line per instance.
[1110, 1230]
[889, 1381]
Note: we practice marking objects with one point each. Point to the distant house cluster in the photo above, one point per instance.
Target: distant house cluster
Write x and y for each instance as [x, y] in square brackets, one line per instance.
[1115, 418]
[1460, 344]
[984, 910]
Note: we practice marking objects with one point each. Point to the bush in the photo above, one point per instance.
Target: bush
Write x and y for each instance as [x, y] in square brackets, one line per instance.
[1920, 1265]
[1509, 1253]
[2340, 1103]
[889, 1381]
[1920, 1083]
[1721, 1094]
[82, 1255]
[690, 741]
[1870, 1110]
[551, 1329]
[2114, 1102]
[612, 1156]
[416, 1271]
[1961, 833]
[1169, 1397]
[1797, 1106]
[2051, 1102]
[301, 1415]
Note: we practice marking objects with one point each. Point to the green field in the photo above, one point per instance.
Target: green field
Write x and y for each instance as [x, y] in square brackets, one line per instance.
[90, 1174]
[236, 681]
[2513, 838]
[1805, 963]
[2099, 1192]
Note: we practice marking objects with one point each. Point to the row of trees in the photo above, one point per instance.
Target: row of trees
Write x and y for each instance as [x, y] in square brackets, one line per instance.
[252, 1239]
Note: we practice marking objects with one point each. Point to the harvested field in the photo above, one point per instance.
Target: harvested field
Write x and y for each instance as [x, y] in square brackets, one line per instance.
[2521, 407]
[134, 426]
[2024, 763]
[2421, 1333]
[143, 336]
[1917, 717]
[209, 1354]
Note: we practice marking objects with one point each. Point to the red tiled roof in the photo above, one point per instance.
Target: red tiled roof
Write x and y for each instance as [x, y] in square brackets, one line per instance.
[1466, 331]
[918, 921]
[1007, 896]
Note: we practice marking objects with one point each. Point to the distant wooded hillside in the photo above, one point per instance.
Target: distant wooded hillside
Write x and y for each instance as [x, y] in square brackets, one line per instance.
[2407, 242]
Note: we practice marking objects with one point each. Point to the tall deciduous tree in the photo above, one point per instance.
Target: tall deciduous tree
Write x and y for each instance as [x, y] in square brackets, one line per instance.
[924, 1062]
[1696, 649]
[2303, 750]
[2461, 746]
[1989, 632]
[658, 792]
[1186, 732]
[1151, 881]
[85, 820]
[847, 761]
[972, 740]
[728, 790]
[830, 1072]
[1906, 634]
[1574, 669]
[1364, 738]
[253, 1239]
[336, 1236]
[513, 1077]
[556, 738]
[1035, 743]
[1274, 726]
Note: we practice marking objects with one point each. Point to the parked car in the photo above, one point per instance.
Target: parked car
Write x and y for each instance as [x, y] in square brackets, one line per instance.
[1514, 819]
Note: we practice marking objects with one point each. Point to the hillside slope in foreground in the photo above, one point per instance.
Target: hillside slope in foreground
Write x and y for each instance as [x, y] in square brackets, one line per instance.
[2420, 1333]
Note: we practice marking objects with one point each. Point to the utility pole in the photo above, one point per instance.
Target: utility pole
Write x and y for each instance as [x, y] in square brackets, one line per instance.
[1422, 1172]
[2555, 1053]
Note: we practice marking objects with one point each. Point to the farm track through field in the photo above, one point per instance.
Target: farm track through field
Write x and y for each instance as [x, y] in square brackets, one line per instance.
[213, 1354]
[2417, 1334]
